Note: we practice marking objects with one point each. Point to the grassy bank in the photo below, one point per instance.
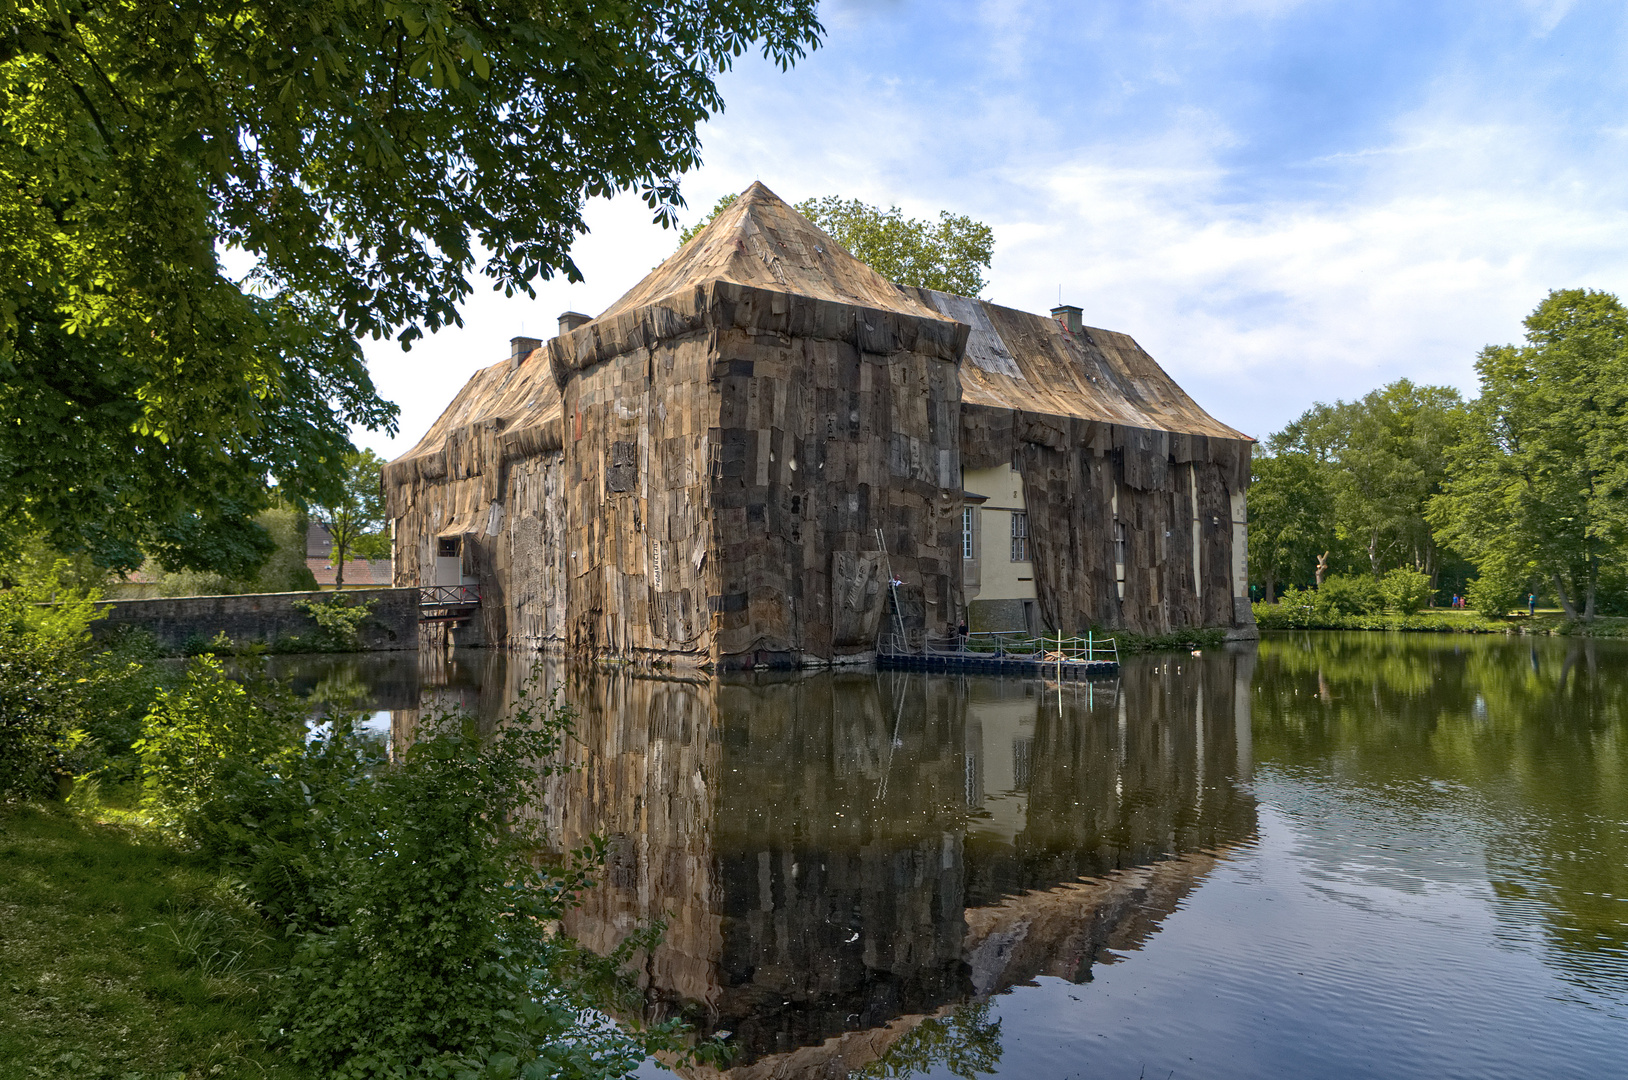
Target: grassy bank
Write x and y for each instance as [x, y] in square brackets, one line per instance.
[1436, 621]
[1209, 638]
[124, 958]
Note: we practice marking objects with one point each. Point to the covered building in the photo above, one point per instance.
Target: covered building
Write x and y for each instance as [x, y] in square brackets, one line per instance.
[733, 463]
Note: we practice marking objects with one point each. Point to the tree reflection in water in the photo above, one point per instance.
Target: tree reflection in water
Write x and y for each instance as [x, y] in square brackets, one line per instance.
[1522, 744]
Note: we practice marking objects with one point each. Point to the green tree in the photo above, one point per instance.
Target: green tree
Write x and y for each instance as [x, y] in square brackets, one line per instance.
[362, 156]
[358, 513]
[1387, 455]
[949, 255]
[1291, 518]
[82, 463]
[1538, 480]
[284, 570]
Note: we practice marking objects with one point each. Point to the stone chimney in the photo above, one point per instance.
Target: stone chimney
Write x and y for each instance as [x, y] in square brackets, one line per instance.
[570, 320]
[1070, 316]
[520, 348]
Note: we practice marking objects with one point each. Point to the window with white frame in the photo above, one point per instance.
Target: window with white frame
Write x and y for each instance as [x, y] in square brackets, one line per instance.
[967, 519]
[1119, 556]
[1020, 536]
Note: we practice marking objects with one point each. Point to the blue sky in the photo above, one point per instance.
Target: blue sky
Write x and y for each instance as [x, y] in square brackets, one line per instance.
[1284, 202]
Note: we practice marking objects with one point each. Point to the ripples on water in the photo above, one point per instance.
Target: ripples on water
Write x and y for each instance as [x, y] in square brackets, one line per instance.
[1336, 855]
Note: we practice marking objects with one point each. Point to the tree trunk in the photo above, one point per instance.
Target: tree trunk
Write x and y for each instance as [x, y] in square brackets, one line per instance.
[1271, 585]
[1373, 551]
[1322, 568]
[1565, 601]
[1593, 580]
[339, 564]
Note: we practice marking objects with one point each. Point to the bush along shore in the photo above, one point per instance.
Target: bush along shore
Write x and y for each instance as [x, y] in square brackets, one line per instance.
[233, 887]
[1396, 603]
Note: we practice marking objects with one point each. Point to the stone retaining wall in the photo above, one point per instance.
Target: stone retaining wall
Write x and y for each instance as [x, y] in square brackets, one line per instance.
[267, 618]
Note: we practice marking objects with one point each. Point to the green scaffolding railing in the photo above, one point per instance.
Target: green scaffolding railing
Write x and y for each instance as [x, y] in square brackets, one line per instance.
[1054, 648]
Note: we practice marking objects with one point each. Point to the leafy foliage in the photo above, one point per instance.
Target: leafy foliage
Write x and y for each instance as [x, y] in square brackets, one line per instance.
[1405, 590]
[1339, 597]
[85, 458]
[284, 570]
[339, 621]
[355, 514]
[38, 705]
[949, 255]
[422, 925]
[1291, 517]
[1379, 460]
[1355, 594]
[1495, 592]
[1540, 482]
[1297, 611]
[200, 741]
[360, 154]
[44, 637]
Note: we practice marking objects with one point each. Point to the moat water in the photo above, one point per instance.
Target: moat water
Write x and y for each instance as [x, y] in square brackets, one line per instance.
[1329, 855]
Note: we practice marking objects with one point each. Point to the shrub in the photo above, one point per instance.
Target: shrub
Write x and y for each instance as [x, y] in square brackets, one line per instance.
[408, 881]
[1356, 594]
[339, 621]
[1494, 594]
[203, 744]
[38, 706]
[1405, 590]
[44, 639]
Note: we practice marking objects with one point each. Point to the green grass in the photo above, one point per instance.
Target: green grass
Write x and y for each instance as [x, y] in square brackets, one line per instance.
[1442, 620]
[1431, 620]
[122, 958]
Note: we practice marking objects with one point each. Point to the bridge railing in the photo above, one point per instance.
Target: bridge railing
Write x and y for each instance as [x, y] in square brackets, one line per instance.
[439, 596]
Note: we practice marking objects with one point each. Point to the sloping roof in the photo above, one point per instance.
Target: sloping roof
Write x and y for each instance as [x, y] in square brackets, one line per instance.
[522, 401]
[759, 240]
[1023, 361]
[1014, 359]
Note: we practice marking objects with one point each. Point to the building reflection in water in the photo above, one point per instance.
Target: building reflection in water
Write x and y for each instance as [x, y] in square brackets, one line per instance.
[839, 857]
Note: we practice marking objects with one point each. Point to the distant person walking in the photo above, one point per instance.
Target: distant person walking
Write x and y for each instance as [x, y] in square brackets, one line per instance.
[1531, 603]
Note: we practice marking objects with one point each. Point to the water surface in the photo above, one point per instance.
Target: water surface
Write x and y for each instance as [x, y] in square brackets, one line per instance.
[1337, 855]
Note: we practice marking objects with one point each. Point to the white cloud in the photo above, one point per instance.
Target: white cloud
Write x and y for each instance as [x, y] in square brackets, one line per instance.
[1259, 308]
[1260, 286]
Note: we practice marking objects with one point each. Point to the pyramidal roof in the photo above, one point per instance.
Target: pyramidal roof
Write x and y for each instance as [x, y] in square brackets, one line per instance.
[761, 241]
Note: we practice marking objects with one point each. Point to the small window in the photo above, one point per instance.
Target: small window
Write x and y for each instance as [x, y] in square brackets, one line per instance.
[967, 518]
[1020, 536]
[447, 547]
[1119, 556]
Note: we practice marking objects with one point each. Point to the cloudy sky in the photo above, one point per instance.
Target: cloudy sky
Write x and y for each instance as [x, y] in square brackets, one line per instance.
[1283, 201]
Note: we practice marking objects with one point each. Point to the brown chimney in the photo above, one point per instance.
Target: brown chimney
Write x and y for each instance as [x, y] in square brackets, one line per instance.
[1070, 316]
[520, 348]
[570, 320]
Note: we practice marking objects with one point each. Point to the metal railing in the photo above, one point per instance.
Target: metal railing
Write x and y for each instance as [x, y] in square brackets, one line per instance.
[1005, 645]
[441, 596]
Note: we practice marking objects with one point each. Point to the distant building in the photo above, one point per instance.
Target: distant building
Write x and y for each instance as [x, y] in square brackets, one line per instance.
[738, 460]
[359, 573]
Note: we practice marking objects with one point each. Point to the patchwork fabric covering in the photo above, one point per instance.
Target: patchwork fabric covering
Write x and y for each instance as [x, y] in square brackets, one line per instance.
[732, 463]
